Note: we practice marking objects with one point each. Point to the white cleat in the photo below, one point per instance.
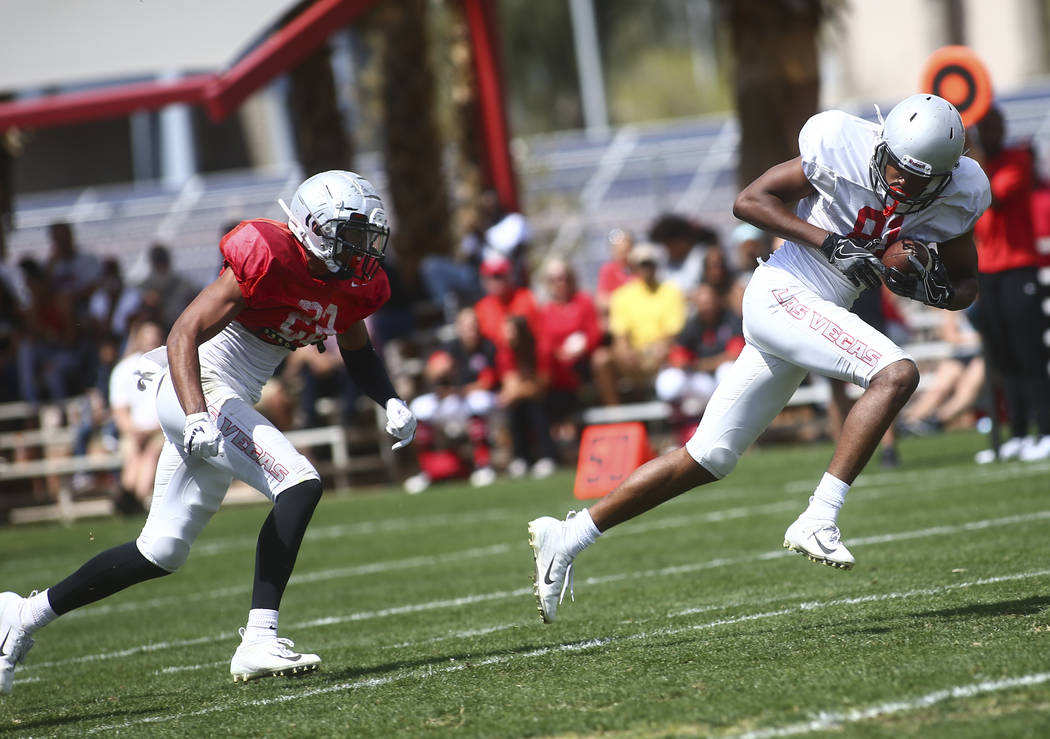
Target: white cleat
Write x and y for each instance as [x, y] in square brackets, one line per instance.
[553, 565]
[14, 640]
[819, 542]
[1036, 450]
[270, 657]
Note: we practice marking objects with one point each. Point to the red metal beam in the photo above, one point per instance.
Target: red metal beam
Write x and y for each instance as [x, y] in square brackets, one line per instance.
[109, 102]
[482, 23]
[221, 94]
[281, 51]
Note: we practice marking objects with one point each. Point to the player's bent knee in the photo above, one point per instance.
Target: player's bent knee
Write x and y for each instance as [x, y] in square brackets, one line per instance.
[718, 460]
[902, 377]
[166, 552]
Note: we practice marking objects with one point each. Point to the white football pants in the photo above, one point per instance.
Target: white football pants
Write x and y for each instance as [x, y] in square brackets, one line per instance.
[189, 490]
[790, 331]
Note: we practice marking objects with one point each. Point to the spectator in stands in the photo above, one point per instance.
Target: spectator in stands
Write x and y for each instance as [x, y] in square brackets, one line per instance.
[461, 380]
[684, 243]
[71, 272]
[717, 272]
[750, 245]
[645, 316]
[615, 272]
[11, 307]
[73, 276]
[164, 290]
[702, 353]
[506, 234]
[569, 333]
[453, 281]
[503, 298]
[524, 375]
[49, 358]
[135, 415]
[956, 382]
[1009, 314]
[113, 305]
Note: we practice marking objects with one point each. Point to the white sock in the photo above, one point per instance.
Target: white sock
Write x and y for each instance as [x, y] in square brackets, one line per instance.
[580, 532]
[37, 612]
[262, 623]
[827, 499]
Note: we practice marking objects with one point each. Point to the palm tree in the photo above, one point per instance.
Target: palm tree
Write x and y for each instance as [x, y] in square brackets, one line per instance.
[412, 140]
[321, 139]
[777, 80]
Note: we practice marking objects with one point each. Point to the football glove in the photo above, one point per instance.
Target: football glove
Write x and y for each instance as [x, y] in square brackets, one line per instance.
[400, 422]
[931, 286]
[201, 437]
[853, 256]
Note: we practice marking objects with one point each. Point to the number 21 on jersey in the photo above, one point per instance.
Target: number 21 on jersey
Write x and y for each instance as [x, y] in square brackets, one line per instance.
[315, 322]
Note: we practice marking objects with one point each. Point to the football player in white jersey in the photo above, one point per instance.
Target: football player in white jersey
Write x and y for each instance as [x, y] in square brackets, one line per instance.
[282, 286]
[856, 187]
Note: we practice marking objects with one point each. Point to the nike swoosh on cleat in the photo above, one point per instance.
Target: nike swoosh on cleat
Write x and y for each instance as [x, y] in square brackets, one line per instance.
[822, 547]
[4, 642]
[296, 658]
[547, 577]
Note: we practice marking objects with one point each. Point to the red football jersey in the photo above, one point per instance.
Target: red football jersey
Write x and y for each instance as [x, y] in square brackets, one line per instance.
[286, 305]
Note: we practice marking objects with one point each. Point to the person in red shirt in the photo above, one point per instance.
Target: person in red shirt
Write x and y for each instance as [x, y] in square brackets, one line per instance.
[502, 299]
[569, 332]
[615, 272]
[524, 373]
[281, 287]
[1009, 312]
[569, 329]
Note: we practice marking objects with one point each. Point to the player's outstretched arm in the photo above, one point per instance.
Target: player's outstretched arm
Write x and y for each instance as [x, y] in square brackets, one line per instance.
[368, 373]
[208, 314]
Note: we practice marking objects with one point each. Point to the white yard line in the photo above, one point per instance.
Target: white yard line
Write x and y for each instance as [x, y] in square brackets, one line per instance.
[826, 720]
[520, 593]
[823, 721]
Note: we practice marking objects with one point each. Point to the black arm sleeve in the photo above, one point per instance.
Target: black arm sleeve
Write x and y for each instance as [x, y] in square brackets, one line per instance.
[368, 373]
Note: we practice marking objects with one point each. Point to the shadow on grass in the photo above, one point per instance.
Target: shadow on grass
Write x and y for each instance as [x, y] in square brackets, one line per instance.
[1022, 607]
[105, 714]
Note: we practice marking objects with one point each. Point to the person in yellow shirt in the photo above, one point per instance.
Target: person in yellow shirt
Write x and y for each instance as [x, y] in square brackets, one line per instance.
[645, 315]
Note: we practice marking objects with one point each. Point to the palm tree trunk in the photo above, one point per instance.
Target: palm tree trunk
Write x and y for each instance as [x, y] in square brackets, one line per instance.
[321, 139]
[777, 81]
[412, 139]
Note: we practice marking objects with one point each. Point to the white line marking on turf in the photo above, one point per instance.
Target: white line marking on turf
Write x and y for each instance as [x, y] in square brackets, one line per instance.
[186, 668]
[506, 594]
[827, 720]
[855, 715]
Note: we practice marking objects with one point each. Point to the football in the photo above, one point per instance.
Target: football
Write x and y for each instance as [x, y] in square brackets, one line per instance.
[897, 253]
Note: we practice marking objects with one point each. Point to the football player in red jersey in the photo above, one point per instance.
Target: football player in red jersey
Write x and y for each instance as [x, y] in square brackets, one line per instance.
[280, 287]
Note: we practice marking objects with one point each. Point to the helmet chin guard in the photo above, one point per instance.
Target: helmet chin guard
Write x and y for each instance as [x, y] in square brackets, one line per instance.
[923, 136]
[339, 218]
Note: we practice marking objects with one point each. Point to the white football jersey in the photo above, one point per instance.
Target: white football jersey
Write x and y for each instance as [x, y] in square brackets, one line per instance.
[836, 150]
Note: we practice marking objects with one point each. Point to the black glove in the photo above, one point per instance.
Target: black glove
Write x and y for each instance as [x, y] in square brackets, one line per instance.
[853, 257]
[931, 286]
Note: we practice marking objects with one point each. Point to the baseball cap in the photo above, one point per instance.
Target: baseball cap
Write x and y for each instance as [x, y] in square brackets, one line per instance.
[643, 252]
[493, 266]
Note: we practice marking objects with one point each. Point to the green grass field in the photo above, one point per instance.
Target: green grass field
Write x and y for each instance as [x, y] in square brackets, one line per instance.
[689, 621]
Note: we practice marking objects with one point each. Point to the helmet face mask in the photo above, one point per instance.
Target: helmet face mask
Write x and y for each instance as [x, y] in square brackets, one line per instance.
[339, 218]
[922, 137]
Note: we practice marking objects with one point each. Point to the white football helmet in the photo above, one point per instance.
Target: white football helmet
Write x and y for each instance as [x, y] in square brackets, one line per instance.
[923, 135]
[339, 218]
